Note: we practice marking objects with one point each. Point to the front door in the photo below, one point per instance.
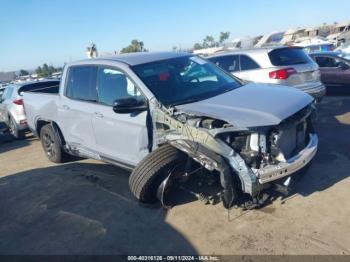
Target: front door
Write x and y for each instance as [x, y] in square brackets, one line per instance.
[119, 137]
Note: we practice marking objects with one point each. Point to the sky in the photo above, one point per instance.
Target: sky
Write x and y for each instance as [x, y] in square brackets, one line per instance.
[33, 32]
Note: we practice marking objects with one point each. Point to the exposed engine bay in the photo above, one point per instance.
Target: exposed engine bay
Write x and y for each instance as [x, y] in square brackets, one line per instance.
[247, 159]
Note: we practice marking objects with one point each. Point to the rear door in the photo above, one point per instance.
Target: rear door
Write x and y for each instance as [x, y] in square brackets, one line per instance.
[249, 69]
[120, 138]
[77, 107]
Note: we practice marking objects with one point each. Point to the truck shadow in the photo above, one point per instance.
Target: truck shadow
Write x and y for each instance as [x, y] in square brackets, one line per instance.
[81, 208]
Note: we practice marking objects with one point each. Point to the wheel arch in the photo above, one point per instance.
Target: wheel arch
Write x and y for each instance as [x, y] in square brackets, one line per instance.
[40, 123]
[211, 161]
[9, 117]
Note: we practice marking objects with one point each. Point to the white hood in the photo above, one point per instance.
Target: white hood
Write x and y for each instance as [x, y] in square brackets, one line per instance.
[251, 105]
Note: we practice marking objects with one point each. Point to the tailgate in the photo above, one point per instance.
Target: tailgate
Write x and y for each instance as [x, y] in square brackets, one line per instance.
[306, 73]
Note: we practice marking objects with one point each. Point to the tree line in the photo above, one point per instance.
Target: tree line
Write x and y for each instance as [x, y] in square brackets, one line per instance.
[42, 71]
[207, 42]
[135, 46]
[46, 70]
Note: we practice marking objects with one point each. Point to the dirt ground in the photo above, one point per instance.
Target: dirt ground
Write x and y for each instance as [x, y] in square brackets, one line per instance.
[85, 207]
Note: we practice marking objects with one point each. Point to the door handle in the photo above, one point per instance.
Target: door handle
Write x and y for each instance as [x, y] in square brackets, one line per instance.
[65, 107]
[98, 114]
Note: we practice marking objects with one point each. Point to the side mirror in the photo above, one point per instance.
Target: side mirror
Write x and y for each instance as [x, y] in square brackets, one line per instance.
[343, 66]
[127, 105]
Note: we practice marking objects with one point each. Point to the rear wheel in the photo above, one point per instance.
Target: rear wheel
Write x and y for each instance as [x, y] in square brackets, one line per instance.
[152, 170]
[13, 129]
[52, 145]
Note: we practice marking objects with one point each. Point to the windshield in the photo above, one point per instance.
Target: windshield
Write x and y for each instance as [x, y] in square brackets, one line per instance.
[184, 80]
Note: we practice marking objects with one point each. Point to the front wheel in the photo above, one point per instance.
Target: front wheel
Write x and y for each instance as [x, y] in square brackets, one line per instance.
[152, 170]
[51, 145]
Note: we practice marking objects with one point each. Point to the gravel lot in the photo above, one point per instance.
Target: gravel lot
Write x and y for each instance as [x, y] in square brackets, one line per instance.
[85, 207]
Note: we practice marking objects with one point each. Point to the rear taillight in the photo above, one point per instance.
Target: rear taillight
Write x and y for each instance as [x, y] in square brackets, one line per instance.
[18, 102]
[282, 74]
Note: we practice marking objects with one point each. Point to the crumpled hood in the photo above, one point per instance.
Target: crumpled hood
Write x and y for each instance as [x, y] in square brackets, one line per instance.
[251, 105]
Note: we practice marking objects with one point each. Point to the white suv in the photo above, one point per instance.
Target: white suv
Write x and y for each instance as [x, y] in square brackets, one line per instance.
[11, 104]
[288, 66]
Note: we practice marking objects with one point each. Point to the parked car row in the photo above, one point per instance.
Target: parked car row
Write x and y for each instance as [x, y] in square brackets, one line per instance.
[344, 48]
[314, 39]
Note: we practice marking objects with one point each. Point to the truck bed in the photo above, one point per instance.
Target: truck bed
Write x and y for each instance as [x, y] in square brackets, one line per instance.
[40, 105]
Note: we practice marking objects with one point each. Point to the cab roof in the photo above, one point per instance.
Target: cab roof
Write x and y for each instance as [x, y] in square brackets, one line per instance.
[133, 59]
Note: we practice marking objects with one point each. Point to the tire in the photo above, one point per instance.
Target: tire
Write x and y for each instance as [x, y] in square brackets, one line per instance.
[152, 170]
[13, 130]
[52, 145]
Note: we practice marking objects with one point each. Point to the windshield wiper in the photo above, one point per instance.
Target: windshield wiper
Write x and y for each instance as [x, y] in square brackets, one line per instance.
[209, 95]
[187, 101]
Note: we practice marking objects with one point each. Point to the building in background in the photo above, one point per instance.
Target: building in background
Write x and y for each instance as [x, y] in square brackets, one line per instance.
[7, 76]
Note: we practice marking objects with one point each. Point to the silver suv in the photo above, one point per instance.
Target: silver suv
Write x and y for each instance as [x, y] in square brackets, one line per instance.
[288, 66]
[11, 104]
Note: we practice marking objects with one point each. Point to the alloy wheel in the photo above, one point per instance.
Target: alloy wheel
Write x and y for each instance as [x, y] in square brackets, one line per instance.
[48, 143]
[12, 128]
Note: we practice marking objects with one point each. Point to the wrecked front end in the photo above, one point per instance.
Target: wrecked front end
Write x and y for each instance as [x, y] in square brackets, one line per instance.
[246, 159]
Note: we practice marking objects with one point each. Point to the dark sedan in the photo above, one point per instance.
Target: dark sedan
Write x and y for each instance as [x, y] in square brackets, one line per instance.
[335, 71]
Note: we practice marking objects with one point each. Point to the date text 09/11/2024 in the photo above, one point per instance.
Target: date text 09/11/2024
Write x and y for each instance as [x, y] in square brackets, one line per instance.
[172, 258]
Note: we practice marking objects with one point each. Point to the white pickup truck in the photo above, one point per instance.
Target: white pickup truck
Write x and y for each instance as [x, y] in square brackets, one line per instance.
[167, 115]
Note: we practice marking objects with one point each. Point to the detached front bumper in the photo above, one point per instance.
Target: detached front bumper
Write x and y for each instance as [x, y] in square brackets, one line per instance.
[274, 172]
